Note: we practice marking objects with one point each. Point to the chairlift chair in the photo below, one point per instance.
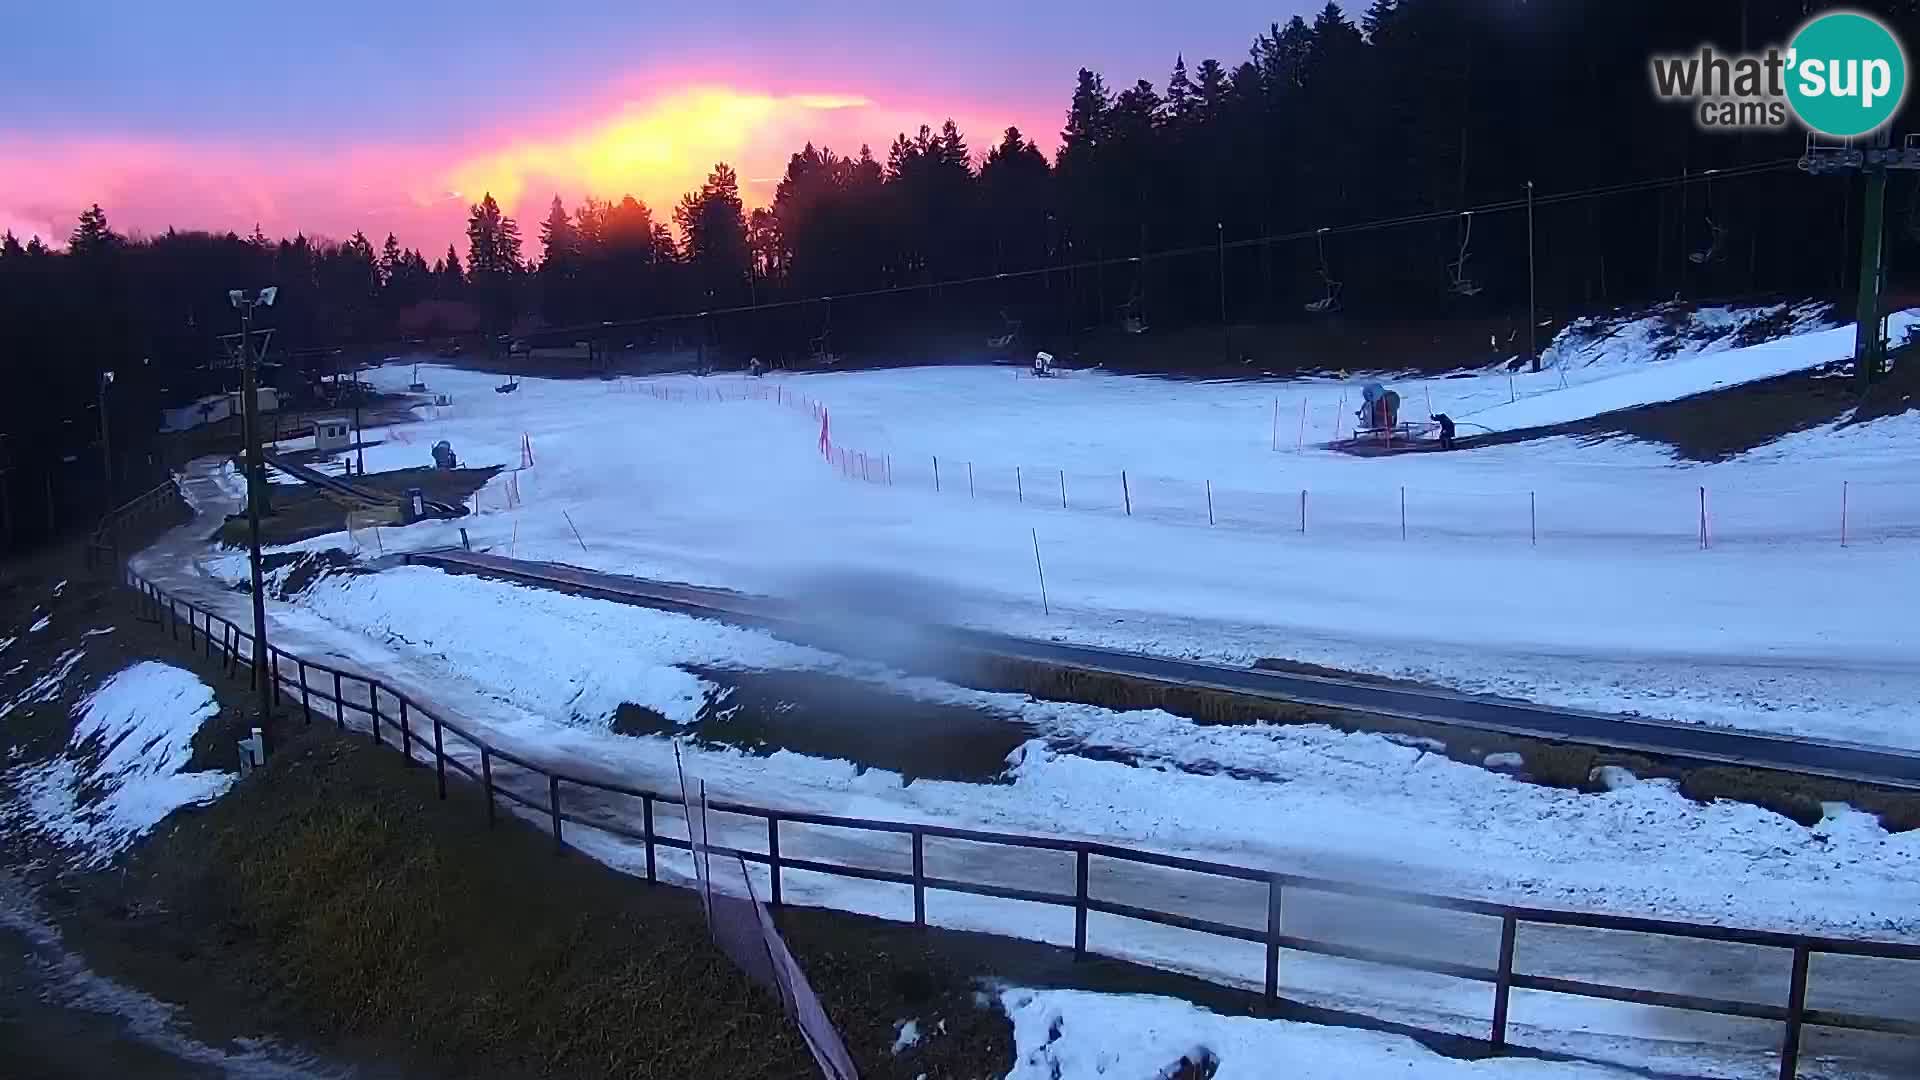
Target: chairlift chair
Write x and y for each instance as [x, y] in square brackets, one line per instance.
[1005, 341]
[821, 347]
[1132, 319]
[1715, 251]
[1460, 283]
[1331, 301]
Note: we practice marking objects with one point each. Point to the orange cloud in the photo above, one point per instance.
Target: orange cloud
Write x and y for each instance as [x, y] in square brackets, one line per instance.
[655, 149]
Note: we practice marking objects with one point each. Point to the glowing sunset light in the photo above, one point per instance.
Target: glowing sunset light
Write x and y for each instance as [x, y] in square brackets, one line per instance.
[655, 149]
[655, 142]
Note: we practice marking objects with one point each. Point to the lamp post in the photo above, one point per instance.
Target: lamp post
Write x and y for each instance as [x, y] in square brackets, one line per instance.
[245, 301]
[106, 445]
[1533, 321]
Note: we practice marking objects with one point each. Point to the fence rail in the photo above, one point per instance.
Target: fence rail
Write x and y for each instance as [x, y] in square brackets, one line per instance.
[314, 688]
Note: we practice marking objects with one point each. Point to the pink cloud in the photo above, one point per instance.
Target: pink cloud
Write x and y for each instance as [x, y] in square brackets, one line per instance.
[653, 140]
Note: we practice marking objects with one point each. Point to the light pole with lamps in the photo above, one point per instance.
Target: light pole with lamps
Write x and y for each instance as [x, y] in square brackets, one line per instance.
[106, 446]
[245, 301]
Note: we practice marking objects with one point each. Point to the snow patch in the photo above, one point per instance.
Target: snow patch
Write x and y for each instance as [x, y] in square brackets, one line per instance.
[121, 771]
[44, 687]
[1078, 1035]
[907, 1038]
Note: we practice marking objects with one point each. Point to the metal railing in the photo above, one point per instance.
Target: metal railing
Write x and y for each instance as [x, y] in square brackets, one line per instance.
[404, 724]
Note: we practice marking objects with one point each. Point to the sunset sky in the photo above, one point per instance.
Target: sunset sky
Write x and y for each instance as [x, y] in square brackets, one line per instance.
[393, 116]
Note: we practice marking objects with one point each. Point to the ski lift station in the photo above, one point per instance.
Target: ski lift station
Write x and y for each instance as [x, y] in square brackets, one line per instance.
[331, 433]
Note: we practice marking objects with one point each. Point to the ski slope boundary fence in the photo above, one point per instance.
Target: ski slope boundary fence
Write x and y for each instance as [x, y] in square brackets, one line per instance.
[566, 795]
[1685, 513]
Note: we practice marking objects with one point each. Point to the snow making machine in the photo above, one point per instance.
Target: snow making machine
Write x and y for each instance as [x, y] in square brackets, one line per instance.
[1378, 429]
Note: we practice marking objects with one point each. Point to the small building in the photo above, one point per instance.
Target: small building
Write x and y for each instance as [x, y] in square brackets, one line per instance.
[331, 433]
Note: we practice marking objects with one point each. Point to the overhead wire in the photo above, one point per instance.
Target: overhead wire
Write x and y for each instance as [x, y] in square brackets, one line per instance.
[1353, 228]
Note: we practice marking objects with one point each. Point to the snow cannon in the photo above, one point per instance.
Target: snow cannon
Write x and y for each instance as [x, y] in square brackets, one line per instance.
[1379, 408]
[443, 455]
[1043, 364]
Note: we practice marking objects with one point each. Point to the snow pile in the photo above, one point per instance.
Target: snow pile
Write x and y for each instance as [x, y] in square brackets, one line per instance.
[583, 660]
[1076, 1035]
[120, 773]
[1706, 370]
[1670, 332]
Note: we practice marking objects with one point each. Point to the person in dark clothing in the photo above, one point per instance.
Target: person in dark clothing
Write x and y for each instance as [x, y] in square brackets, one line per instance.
[1446, 430]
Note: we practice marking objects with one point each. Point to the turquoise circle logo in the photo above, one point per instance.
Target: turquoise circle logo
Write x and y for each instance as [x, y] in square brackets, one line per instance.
[1847, 76]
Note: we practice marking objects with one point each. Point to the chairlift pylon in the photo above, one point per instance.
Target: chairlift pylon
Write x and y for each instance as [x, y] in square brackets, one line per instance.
[1331, 301]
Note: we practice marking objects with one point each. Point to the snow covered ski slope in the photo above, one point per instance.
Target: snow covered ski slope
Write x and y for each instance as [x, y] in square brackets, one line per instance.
[1560, 571]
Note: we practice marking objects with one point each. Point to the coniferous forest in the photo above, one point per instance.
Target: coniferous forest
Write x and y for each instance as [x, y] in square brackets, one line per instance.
[1332, 161]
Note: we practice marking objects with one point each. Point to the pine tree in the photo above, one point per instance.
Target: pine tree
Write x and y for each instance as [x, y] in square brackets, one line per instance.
[452, 280]
[715, 227]
[1182, 99]
[1087, 115]
[10, 246]
[390, 260]
[92, 236]
[258, 239]
[35, 247]
[951, 149]
[483, 238]
[559, 241]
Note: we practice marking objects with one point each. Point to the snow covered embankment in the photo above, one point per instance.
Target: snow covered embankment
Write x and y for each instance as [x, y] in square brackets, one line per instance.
[1663, 381]
[121, 771]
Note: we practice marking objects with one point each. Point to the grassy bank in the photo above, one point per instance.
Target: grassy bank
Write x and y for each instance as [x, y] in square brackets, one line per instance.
[346, 906]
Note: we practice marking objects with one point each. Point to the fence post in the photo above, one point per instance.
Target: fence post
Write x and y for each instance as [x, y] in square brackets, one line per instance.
[373, 708]
[646, 833]
[1080, 904]
[306, 698]
[887, 463]
[273, 672]
[339, 704]
[553, 805]
[1843, 513]
[1796, 1014]
[1703, 517]
[1063, 489]
[1303, 510]
[1503, 982]
[1273, 937]
[969, 479]
[773, 856]
[439, 760]
[1209, 502]
[919, 872]
[1533, 521]
[936, 474]
[486, 779]
[1126, 493]
[1045, 608]
[1403, 511]
[1019, 489]
[406, 734]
